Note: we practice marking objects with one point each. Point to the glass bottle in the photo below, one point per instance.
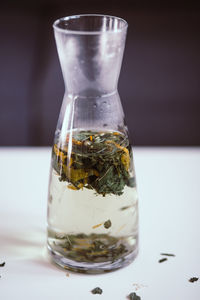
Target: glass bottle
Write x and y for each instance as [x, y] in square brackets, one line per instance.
[92, 201]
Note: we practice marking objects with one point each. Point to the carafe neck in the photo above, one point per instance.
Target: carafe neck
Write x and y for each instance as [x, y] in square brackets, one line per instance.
[90, 63]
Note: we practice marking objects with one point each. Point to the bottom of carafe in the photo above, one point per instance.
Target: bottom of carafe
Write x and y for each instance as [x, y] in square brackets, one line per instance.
[91, 268]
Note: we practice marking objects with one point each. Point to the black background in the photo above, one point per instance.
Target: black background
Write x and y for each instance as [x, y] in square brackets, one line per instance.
[160, 76]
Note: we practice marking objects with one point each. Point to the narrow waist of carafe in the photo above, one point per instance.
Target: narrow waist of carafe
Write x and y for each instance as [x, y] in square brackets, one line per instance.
[78, 95]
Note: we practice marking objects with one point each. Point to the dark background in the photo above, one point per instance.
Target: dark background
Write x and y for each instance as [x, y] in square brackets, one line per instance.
[160, 76]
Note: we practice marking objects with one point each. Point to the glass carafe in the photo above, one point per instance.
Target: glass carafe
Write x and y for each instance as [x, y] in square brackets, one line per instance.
[92, 201]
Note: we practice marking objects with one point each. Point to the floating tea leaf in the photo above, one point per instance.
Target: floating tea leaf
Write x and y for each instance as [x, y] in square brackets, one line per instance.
[97, 160]
[96, 226]
[125, 207]
[107, 224]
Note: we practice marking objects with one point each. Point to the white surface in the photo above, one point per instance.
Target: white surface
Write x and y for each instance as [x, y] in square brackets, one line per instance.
[168, 184]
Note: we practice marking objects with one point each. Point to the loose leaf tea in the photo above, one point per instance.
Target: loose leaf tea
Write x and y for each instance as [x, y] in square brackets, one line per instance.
[97, 290]
[193, 279]
[97, 225]
[167, 254]
[100, 161]
[162, 260]
[2, 264]
[133, 296]
[126, 207]
[91, 248]
[107, 224]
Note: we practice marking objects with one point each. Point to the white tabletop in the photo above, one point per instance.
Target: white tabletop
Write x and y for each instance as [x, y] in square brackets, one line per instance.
[169, 194]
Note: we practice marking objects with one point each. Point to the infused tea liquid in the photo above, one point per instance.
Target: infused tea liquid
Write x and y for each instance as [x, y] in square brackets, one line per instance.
[93, 207]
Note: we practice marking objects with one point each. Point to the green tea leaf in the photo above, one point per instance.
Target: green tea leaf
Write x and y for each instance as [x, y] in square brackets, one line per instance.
[134, 296]
[162, 260]
[107, 224]
[167, 254]
[193, 279]
[101, 161]
[97, 290]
